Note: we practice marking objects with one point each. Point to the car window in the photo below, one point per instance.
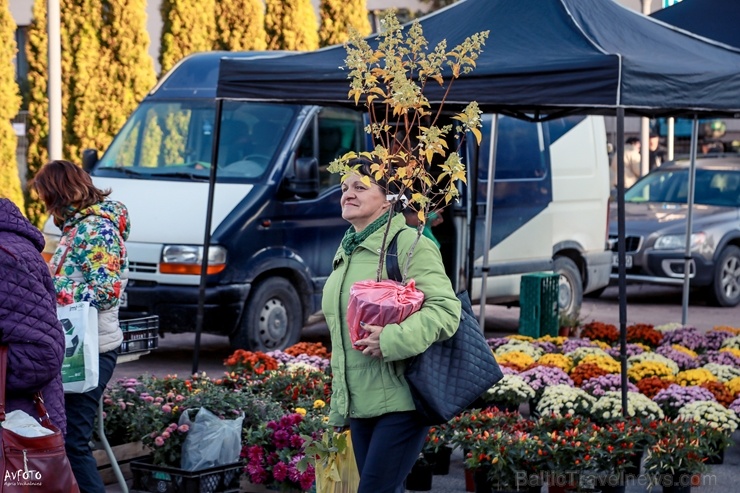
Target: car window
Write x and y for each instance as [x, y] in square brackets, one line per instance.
[712, 187]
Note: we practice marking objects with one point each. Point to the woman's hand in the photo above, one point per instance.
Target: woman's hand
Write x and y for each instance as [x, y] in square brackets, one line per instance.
[371, 341]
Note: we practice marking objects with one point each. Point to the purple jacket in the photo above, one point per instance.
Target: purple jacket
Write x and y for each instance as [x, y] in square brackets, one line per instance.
[28, 318]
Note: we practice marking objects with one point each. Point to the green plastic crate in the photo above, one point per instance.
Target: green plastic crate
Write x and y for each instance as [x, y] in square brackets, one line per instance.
[538, 299]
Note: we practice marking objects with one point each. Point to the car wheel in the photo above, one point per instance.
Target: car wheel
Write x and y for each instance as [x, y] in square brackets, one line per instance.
[570, 292]
[272, 319]
[726, 284]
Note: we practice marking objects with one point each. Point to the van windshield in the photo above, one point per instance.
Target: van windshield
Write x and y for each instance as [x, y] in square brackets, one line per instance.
[174, 140]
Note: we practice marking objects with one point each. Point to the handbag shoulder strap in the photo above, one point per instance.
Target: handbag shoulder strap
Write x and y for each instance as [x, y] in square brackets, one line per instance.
[391, 259]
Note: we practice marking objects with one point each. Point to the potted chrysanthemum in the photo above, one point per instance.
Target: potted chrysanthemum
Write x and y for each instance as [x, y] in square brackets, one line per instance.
[509, 393]
[720, 422]
[563, 399]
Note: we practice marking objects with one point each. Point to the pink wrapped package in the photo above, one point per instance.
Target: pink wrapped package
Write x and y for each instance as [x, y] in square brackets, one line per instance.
[380, 303]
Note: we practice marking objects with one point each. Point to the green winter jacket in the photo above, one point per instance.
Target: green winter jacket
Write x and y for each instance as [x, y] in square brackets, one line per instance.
[363, 386]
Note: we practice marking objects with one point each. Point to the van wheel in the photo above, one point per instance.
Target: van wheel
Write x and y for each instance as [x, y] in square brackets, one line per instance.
[725, 290]
[570, 292]
[272, 319]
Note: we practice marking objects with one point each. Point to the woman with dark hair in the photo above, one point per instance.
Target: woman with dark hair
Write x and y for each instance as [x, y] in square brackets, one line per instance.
[89, 264]
[369, 391]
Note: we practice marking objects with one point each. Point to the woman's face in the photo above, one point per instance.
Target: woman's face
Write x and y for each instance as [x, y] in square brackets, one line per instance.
[362, 204]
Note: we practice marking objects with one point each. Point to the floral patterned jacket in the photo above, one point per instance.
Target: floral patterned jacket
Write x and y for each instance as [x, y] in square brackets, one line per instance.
[90, 264]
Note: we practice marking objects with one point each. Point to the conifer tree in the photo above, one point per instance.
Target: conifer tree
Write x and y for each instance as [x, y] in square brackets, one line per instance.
[188, 26]
[291, 25]
[10, 103]
[37, 126]
[337, 16]
[83, 59]
[130, 74]
[240, 25]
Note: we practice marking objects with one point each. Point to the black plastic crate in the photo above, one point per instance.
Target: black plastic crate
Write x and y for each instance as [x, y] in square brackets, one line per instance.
[139, 334]
[162, 479]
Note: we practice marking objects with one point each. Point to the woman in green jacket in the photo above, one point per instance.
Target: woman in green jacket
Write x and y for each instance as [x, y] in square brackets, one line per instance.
[370, 393]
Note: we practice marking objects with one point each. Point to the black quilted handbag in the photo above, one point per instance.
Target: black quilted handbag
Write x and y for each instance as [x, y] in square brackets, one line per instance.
[451, 374]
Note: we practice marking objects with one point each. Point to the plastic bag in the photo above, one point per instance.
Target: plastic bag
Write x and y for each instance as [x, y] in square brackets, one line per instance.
[211, 441]
[339, 474]
[380, 303]
[80, 368]
[21, 423]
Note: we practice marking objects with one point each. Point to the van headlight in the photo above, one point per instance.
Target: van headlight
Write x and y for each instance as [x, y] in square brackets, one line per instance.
[678, 242]
[187, 259]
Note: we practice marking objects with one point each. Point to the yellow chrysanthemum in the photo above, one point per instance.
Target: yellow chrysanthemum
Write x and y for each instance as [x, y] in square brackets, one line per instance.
[558, 341]
[520, 337]
[696, 376]
[644, 346]
[560, 360]
[301, 411]
[684, 350]
[733, 386]
[731, 350]
[646, 369]
[319, 404]
[517, 358]
[606, 363]
[603, 345]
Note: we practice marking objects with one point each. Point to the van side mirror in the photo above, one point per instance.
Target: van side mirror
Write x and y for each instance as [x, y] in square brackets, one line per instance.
[303, 179]
[89, 159]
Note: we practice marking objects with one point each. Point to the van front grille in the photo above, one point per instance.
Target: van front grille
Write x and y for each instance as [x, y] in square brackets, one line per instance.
[631, 243]
[142, 267]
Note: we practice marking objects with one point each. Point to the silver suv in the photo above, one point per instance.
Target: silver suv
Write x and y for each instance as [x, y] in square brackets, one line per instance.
[655, 224]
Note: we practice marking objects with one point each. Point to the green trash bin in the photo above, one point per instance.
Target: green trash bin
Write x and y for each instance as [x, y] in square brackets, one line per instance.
[538, 299]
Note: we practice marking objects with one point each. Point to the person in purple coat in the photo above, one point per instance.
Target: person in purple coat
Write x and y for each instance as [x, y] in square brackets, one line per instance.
[28, 319]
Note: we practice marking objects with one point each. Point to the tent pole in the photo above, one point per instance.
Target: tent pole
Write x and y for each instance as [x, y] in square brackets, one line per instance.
[207, 235]
[489, 218]
[689, 223]
[671, 138]
[621, 256]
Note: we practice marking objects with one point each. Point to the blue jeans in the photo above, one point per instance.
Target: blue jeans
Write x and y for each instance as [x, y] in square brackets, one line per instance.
[81, 412]
[386, 448]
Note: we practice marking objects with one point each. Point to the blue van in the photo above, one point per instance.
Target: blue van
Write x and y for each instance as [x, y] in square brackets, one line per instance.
[276, 217]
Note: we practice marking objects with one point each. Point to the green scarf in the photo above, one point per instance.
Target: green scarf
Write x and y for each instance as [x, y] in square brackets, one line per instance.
[352, 239]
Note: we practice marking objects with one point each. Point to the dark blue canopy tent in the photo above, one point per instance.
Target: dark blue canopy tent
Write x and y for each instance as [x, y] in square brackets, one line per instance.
[544, 58]
[713, 19]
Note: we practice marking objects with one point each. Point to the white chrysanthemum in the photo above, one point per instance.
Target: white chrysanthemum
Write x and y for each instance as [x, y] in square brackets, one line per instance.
[668, 327]
[563, 399]
[512, 389]
[712, 414]
[724, 373]
[732, 342]
[650, 356]
[609, 405]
